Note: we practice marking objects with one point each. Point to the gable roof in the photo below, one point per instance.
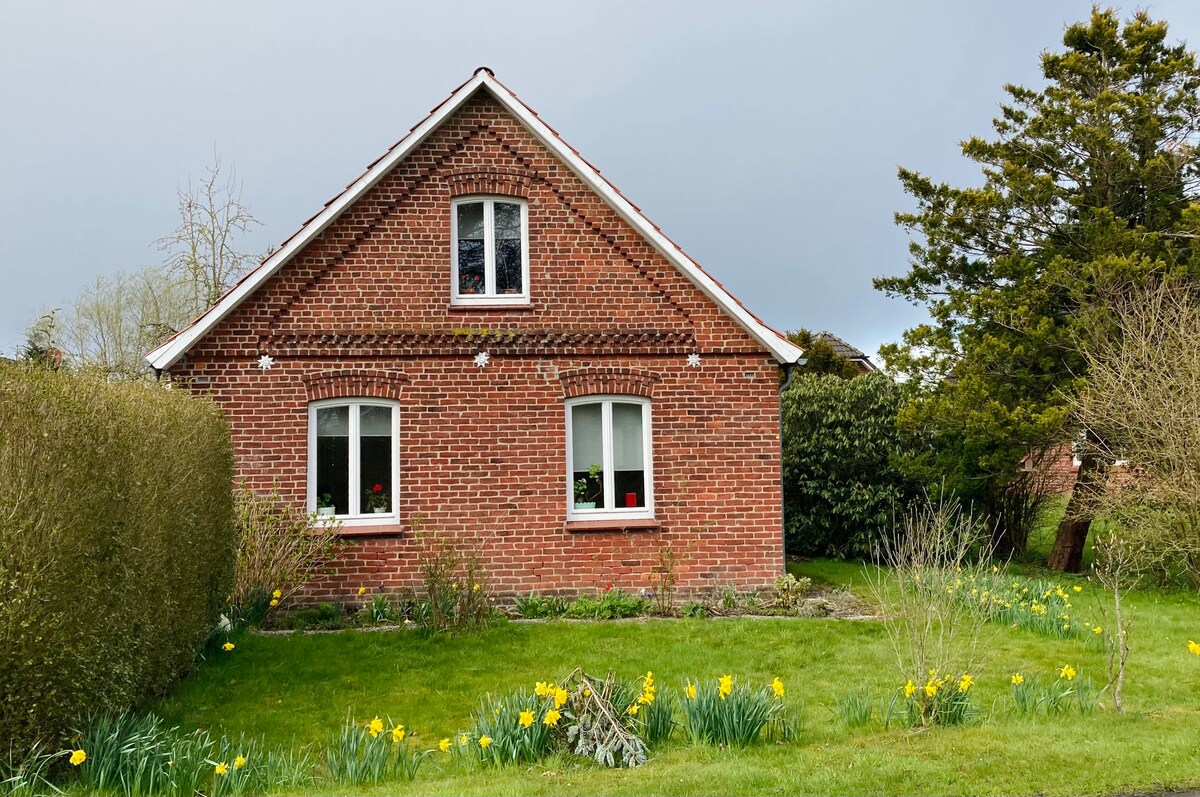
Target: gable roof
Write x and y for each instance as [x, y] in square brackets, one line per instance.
[169, 352]
[844, 349]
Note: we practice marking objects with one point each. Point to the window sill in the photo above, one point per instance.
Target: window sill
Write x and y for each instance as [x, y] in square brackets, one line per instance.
[618, 525]
[391, 527]
[500, 308]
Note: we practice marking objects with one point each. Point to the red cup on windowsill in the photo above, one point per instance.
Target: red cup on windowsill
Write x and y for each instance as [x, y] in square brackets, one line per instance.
[631, 499]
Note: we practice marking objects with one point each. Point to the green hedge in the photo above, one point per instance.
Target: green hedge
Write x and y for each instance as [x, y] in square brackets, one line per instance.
[842, 464]
[116, 544]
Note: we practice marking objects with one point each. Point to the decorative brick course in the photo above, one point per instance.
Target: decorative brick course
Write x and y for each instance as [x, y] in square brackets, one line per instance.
[363, 310]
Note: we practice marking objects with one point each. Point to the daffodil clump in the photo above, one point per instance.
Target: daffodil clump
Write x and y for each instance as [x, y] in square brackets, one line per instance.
[138, 754]
[722, 711]
[654, 714]
[1066, 690]
[1041, 606]
[372, 751]
[519, 727]
[937, 699]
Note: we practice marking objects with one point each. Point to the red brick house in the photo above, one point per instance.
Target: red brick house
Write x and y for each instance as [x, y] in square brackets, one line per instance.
[482, 338]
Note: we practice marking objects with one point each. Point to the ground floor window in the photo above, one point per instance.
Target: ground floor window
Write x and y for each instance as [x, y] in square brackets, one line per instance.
[353, 458]
[608, 458]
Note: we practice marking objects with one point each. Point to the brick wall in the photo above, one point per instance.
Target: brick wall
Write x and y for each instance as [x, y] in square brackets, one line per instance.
[363, 311]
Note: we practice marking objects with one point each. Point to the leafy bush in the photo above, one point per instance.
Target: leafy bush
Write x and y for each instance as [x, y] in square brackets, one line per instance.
[790, 592]
[455, 586]
[116, 544]
[279, 549]
[842, 464]
[323, 616]
[611, 604]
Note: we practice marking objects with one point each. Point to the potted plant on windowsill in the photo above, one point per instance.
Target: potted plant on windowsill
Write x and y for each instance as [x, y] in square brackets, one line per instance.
[325, 506]
[378, 501]
[582, 498]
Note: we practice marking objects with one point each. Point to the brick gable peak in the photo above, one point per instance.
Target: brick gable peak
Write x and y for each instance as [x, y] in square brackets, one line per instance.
[169, 352]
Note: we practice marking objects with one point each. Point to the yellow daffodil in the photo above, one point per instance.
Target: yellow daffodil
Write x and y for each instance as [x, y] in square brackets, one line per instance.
[375, 727]
[931, 688]
[560, 697]
[1077, 588]
[725, 686]
[1066, 671]
[910, 688]
[398, 733]
[274, 602]
[690, 691]
[228, 646]
[633, 710]
[777, 687]
[1097, 630]
[78, 757]
[1193, 648]
[462, 740]
[965, 683]
[587, 692]
[542, 689]
[484, 741]
[221, 769]
[475, 588]
[1018, 679]
[526, 719]
[362, 590]
[277, 594]
[444, 745]
[239, 762]
[552, 717]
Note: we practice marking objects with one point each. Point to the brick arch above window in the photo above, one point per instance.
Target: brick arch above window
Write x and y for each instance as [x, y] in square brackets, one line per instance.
[354, 383]
[610, 380]
[493, 182]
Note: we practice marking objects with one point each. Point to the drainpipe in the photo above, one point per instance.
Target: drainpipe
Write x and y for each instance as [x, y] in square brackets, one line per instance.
[789, 371]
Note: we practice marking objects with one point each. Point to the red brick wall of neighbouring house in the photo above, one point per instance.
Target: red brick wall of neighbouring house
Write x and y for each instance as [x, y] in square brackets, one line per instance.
[1054, 470]
[364, 311]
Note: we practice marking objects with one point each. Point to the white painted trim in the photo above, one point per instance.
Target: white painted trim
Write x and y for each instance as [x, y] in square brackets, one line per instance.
[359, 518]
[169, 353]
[615, 513]
[489, 250]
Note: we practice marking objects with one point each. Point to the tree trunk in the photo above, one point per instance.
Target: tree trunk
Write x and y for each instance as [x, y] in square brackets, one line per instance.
[1067, 555]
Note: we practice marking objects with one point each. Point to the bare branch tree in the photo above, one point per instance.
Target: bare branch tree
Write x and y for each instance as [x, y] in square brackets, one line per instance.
[116, 319]
[201, 251]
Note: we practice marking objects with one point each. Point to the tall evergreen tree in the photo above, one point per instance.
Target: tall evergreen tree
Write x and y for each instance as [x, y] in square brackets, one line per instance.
[1088, 188]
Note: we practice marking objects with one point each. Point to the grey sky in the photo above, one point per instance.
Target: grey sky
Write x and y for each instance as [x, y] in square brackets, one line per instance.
[763, 137]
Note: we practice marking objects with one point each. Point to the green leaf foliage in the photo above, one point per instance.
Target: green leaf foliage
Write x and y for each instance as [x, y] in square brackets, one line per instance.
[842, 457]
[1087, 189]
[820, 358]
[116, 544]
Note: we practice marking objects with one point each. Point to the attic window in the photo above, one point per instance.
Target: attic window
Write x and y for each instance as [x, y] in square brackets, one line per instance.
[489, 251]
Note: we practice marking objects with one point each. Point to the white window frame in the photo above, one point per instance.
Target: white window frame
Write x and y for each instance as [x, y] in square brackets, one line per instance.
[489, 253]
[616, 513]
[359, 518]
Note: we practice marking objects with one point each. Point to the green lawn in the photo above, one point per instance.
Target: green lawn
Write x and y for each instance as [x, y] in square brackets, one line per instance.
[295, 689]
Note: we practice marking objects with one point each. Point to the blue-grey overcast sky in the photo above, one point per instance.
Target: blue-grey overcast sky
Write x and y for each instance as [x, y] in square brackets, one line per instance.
[763, 137]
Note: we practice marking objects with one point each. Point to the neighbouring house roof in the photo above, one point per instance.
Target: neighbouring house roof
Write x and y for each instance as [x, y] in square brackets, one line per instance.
[168, 353]
[844, 349]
